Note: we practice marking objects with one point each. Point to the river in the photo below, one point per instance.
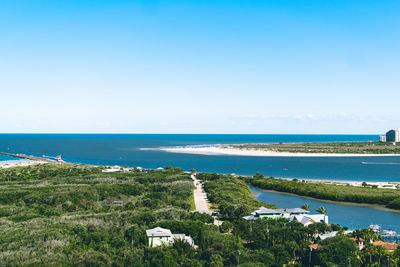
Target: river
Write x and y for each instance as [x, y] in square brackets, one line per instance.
[351, 215]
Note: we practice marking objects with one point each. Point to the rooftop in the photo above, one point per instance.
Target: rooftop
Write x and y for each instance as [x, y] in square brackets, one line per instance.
[158, 231]
[388, 246]
[263, 210]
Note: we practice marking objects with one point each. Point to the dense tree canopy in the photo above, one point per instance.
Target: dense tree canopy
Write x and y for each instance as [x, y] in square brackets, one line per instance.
[62, 215]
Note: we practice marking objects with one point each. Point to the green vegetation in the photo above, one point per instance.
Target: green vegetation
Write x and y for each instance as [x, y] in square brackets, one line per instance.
[276, 242]
[63, 215]
[335, 148]
[230, 194]
[369, 195]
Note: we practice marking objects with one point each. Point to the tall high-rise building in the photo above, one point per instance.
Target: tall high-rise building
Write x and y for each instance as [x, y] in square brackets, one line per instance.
[393, 135]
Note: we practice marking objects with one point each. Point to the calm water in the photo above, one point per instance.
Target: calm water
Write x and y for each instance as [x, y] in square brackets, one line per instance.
[345, 215]
[111, 149]
[6, 158]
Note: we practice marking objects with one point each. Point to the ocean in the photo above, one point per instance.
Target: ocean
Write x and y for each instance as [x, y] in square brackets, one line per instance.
[126, 149]
[6, 158]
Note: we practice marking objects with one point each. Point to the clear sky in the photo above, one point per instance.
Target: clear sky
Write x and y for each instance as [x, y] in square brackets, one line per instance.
[188, 66]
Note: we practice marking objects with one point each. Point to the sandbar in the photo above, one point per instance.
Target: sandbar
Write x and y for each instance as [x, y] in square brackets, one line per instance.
[220, 150]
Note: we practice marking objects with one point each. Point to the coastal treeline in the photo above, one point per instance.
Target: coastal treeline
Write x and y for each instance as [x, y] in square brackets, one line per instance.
[329, 148]
[231, 195]
[368, 195]
[279, 242]
[82, 217]
[41, 171]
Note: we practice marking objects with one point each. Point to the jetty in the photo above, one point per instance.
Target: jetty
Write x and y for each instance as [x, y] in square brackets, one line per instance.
[23, 156]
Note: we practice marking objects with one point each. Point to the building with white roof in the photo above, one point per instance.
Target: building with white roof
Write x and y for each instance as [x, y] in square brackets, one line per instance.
[160, 236]
[308, 219]
[298, 214]
[263, 212]
[333, 234]
[115, 168]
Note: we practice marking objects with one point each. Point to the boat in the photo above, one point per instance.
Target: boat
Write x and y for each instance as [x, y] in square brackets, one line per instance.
[389, 232]
[375, 227]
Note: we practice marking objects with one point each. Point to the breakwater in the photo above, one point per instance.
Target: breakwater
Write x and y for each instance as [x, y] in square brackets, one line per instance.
[23, 156]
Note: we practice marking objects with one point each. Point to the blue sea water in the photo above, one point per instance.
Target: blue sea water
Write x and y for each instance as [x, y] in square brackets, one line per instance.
[111, 149]
[125, 149]
[7, 158]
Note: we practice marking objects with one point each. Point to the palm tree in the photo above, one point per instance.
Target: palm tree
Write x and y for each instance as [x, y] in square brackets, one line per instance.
[305, 206]
[321, 210]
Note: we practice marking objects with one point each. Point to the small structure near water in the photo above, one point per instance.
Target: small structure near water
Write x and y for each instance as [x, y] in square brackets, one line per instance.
[115, 168]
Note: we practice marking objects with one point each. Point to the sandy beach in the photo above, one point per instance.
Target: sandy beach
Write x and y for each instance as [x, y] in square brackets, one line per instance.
[385, 185]
[219, 150]
[19, 163]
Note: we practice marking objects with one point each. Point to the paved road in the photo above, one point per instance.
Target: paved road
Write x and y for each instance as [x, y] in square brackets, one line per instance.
[200, 197]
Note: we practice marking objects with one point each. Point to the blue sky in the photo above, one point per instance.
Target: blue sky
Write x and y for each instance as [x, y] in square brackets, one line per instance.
[199, 66]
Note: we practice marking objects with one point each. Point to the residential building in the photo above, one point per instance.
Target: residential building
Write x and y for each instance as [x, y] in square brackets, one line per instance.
[275, 213]
[382, 138]
[115, 168]
[389, 246]
[332, 234]
[298, 214]
[361, 244]
[393, 135]
[159, 236]
[308, 219]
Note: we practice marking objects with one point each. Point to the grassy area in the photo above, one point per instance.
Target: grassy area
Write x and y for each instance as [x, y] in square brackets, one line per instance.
[387, 197]
[335, 148]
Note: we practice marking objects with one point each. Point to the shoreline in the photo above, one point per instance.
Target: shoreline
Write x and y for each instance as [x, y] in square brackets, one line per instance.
[218, 150]
[374, 206]
[379, 184]
[19, 163]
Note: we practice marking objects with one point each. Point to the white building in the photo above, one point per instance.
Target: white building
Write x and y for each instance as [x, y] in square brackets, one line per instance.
[263, 212]
[115, 168]
[308, 219]
[140, 169]
[298, 214]
[160, 236]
